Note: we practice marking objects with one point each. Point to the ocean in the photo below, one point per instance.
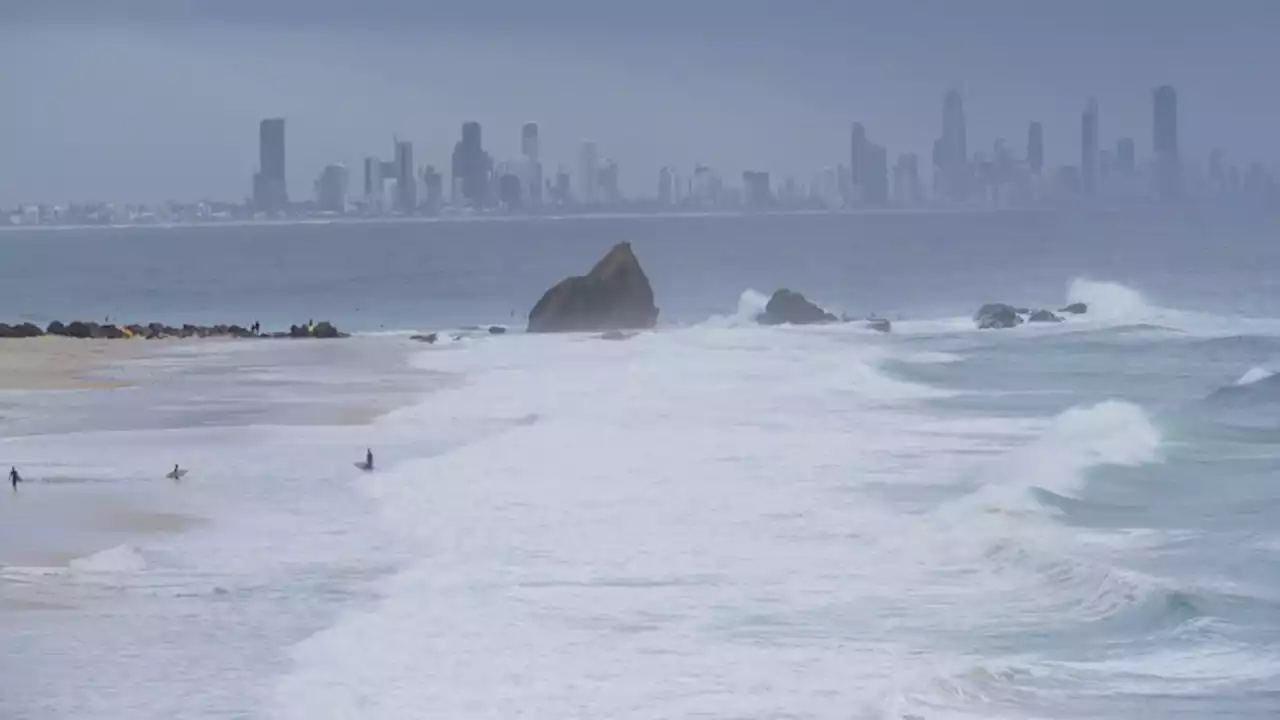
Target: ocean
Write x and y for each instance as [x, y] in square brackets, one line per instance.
[710, 520]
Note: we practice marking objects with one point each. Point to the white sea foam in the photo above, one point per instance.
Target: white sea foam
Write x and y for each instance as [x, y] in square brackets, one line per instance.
[119, 559]
[1254, 375]
[1109, 300]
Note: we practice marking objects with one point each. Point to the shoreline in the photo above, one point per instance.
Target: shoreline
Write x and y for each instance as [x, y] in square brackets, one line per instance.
[57, 363]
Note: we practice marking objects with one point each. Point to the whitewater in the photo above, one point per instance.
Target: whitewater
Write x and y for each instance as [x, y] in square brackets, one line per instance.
[712, 519]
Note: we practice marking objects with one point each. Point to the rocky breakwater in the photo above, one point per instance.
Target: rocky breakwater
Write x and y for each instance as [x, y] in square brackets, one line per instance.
[997, 316]
[614, 295]
[158, 331]
[788, 307]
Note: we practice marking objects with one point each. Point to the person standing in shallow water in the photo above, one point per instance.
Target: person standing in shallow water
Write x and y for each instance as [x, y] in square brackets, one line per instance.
[14, 477]
[368, 458]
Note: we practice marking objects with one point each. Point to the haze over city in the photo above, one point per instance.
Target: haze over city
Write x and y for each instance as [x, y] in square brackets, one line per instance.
[145, 101]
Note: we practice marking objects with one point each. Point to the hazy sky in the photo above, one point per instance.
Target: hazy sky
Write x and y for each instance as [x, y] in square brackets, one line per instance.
[145, 100]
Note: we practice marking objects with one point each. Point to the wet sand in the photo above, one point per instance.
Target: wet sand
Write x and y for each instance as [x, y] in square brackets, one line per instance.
[56, 363]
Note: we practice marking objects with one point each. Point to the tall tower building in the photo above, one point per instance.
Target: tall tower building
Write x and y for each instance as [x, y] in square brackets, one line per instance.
[1126, 157]
[472, 167]
[951, 153]
[1168, 168]
[1035, 148]
[1089, 149]
[589, 173]
[269, 189]
[666, 187]
[529, 146]
[406, 178]
[857, 164]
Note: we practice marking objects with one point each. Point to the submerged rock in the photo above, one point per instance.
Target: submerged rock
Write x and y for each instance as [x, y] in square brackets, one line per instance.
[1077, 308]
[880, 324]
[996, 316]
[616, 335]
[614, 295]
[497, 330]
[25, 330]
[429, 338]
[788, 307]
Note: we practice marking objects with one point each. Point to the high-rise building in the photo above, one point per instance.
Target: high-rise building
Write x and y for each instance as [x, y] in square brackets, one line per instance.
[406, 178]
[875, 175]
[433, 187]
[373, 183]
[589, 173]
[906, 181]
[1168, 167]
[756, 190]
[610, 184]
[472, 168]
[951, 151]
[270, 193]
[531, 149]
[1089, 149]
[1126, 157]
[331, 188]
[666, 187]
[857, 162]
[1035, 148]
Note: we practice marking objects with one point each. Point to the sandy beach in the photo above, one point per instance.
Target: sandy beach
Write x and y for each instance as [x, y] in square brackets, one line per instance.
[56, 363]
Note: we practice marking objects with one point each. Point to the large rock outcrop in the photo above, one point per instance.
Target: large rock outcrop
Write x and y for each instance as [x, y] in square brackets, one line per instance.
[615, 295]
[788, 307]
[997, 315]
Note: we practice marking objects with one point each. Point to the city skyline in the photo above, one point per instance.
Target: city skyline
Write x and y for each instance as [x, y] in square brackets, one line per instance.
[142, 106]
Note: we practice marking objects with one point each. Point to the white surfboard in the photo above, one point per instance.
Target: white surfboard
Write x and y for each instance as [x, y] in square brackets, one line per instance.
[176, 474]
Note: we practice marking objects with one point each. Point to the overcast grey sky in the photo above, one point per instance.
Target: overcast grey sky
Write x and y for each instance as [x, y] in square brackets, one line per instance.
[146, 100]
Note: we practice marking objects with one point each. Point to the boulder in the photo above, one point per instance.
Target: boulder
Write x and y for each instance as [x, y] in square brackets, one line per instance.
[497, 330]
[1077, 308]
[615, 295]
[429, 338]
[296, 331]
[788, 307]
[81, 330]
[997, 315]
[108, 332]
[1043, 316]
[7, 331]
[56, 328]
[325, 330]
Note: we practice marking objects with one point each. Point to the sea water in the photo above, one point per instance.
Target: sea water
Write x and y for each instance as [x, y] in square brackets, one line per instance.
[714, 519]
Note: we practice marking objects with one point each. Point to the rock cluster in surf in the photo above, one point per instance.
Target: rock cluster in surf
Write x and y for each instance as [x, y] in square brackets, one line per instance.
[614, 295]
[997, 316]
[82, 330]
[788, 307]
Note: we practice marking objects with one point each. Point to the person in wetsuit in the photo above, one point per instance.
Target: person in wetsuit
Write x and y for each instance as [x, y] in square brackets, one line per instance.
[14, 477]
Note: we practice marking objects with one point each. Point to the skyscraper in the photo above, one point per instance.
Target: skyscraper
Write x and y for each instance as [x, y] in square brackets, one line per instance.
[529, 146]
[472, 167]
[1126, 157]
[951, 152]
[1168, 170]
[406, 178]
[666, 187]
[589, 173]
[1089, 149]
[269, 190]
[857, 162]
[1035, 148]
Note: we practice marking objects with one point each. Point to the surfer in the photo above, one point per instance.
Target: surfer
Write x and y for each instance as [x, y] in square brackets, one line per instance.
[368, 459]
[176, 473]
[14, 477]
